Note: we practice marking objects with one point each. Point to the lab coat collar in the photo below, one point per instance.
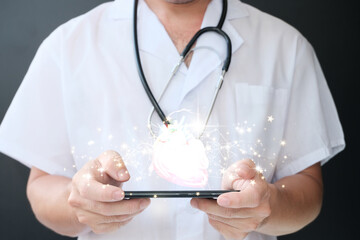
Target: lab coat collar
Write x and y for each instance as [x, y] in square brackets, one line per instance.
[123, 9]
[203, 63]
[154, 40]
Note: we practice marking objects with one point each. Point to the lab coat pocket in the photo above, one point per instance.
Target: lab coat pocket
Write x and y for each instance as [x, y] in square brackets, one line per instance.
[261, 115]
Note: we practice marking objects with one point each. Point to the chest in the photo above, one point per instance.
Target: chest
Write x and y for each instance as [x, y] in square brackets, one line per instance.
[107, 107]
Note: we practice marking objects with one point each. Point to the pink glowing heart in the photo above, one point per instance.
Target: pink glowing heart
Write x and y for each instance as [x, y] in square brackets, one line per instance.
[179, 160]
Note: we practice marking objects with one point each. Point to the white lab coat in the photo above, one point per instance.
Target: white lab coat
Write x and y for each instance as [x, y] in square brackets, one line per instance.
[82, 95]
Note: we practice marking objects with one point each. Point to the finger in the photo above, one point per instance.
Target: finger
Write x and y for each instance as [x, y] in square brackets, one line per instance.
[91, 219]
[112, 163]
[229, 232]
[125, 207]
[241, 170]
[90, 188]
[211, 207]
[130, 206]
[241, 224]
[95, 170]
[244, 199]
[108, 227]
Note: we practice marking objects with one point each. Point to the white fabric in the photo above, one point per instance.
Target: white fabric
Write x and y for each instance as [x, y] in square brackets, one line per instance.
[82, 95]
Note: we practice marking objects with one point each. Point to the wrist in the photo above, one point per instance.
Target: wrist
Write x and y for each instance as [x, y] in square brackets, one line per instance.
[273, 194]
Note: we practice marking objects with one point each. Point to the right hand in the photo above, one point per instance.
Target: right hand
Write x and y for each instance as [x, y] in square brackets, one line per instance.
[96, 195]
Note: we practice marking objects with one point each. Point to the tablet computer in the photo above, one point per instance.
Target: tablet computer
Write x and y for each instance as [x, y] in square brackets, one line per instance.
[177, 194]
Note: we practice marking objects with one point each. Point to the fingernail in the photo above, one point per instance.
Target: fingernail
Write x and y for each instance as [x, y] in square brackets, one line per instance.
[143, 204]
[223, 201]
[123, 174]
[194, 204]
[118, 195]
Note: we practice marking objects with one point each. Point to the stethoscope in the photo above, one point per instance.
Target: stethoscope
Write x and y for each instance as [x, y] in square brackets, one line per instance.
[183, 56]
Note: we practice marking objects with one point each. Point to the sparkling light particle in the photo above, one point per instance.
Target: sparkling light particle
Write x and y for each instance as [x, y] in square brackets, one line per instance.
[87, 176]
[241, 131]
[252, 182]
[216, 141]
[283, 186]
[232, 177]
[270, 119]
[259, 169]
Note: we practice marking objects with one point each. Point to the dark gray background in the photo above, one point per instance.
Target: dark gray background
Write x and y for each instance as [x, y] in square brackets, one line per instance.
[331, 26]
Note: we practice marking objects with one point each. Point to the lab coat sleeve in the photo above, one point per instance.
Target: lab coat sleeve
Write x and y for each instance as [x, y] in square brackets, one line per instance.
[34, 130]
[313, 132]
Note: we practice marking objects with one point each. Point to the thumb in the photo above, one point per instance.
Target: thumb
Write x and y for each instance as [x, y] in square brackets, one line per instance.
[246, 169]
[239, 174]
[113, 165]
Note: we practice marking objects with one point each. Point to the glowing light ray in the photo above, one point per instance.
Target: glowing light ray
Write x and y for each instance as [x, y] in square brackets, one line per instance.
[220, 148]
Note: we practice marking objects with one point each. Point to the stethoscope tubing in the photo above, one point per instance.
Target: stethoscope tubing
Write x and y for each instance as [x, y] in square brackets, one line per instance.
[218, 31]
[183, 55]
[141, 71]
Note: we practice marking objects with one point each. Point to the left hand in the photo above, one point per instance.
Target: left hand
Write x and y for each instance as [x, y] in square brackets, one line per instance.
[235, 214]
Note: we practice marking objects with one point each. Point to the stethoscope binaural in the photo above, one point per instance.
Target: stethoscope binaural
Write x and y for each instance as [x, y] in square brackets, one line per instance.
[183, 56]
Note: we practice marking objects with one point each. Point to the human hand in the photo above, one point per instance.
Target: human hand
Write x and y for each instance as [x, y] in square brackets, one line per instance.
[235, 214]
[96, 195]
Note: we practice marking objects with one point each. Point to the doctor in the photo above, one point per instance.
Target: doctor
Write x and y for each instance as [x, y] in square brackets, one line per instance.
[82, 96]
